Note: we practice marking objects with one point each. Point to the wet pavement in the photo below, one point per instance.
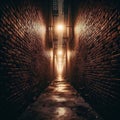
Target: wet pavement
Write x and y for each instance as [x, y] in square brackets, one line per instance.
[60, 101]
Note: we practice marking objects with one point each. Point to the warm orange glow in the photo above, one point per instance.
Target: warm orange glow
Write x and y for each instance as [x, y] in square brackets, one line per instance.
[59, 52]
[60, 27]
[60, 88]
[59, 68]
[60, 78]
[59, 61]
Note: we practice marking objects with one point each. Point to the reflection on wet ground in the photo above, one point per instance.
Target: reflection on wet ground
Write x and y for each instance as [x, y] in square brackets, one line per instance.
[60, 101]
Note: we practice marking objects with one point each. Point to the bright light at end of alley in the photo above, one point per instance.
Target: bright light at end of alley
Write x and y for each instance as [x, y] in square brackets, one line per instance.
[60, 27]
[59, 52]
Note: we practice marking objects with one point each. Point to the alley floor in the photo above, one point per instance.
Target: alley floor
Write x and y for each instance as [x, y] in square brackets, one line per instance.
[60, 101]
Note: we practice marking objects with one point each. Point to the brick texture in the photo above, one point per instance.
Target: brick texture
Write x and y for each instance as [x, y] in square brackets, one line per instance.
[24, 65]
[97, 59]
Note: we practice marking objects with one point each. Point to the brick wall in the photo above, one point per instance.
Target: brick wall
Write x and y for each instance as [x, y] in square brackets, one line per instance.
[97, 61]
[24, 65]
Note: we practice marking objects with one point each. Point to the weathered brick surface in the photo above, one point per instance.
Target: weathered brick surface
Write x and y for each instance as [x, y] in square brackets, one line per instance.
[24, 66]
[97, 62]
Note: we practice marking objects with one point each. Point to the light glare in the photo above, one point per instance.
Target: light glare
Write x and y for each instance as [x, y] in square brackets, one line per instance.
[60, 27]
[60, 52]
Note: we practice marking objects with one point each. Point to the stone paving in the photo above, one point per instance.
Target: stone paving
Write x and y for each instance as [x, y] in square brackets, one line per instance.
[60, 101]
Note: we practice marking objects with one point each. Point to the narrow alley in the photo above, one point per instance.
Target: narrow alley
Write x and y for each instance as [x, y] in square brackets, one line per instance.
[59, 59]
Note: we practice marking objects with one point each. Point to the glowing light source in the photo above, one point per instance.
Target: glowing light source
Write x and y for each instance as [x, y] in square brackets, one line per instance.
[60, 27]
[59, 52]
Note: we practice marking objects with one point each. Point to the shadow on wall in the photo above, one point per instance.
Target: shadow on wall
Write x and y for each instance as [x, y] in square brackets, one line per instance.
[24, 65]
[96, 70]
